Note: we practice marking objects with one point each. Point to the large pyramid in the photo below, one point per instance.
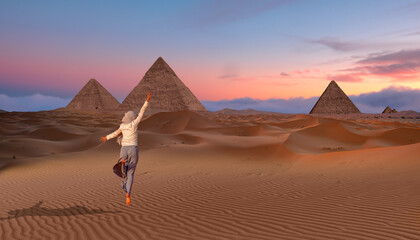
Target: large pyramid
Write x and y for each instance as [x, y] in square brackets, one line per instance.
[168, 92]
[334, 101]
[93, 97]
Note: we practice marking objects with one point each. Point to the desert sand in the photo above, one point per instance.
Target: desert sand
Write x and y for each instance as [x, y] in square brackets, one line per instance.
[215, 175]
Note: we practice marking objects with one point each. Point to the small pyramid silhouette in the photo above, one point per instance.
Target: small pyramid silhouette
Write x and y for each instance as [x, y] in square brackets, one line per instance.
[389, 110]
[334, 101]
[93, 97]
[168, 92]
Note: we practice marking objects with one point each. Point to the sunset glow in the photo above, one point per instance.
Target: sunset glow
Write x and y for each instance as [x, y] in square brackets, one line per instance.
[260, 50]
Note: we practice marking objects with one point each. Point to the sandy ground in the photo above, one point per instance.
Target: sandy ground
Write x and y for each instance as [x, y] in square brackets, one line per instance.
[223, 175]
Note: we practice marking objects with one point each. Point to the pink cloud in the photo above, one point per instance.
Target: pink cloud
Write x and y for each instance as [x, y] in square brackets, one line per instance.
[399, 66]
[245, 79]
[346, 78]
[227, 76]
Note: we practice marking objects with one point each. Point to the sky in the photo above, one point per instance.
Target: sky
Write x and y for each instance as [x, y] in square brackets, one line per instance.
[276, 55]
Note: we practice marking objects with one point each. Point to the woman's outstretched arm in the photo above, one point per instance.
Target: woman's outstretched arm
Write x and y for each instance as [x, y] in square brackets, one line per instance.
[143, 109]
[112, 135]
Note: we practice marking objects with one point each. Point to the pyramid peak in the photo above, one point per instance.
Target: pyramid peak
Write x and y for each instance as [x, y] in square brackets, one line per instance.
[160, 61]
[333, 85]
[158, 66]
[93, 81]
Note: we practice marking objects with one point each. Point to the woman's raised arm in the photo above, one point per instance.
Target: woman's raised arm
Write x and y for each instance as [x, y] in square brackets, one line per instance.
[143, 109]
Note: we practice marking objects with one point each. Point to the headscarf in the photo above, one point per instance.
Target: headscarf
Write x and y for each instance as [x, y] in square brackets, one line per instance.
[128, 117]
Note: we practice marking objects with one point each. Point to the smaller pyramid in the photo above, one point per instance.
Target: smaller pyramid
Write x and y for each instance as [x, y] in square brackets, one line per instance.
[93, 97]
[389, 110]
[334, 101]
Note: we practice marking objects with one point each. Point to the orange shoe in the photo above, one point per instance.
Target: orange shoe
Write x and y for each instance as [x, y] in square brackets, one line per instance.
[128, 201]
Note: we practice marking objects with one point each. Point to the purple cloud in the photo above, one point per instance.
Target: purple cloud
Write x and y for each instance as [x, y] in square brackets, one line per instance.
[401, 98]
[292, 105]
[412, 55]
[339, 45]
[403, 65]
[413, 34]
[36, 102]
[390, 69]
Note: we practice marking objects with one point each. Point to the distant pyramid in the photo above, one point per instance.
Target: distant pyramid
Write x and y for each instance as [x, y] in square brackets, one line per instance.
[389, 110]
[168, 92]
[93, 97]
[334, 101]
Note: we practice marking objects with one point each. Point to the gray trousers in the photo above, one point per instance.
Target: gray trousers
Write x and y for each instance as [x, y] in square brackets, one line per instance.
[131, 157]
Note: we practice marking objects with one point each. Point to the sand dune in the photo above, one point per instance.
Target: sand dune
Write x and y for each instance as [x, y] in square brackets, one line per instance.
[327, 135]
[222, 175]
[175, 122]
[299, 121]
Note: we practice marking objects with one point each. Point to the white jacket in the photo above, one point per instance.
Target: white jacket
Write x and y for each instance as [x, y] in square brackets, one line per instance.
[129, 130]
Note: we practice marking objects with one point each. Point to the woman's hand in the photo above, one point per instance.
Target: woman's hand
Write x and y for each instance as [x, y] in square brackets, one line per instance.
[103, 139]
[148, 96]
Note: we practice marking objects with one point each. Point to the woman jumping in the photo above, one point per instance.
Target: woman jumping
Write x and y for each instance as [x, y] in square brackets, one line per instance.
[129, 154]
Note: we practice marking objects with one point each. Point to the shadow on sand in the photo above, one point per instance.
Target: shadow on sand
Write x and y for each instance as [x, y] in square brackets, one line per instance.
[37, 210]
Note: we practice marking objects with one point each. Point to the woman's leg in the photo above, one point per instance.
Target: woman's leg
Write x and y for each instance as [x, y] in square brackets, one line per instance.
[131, 168]
[129, 181]
[124, 153]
